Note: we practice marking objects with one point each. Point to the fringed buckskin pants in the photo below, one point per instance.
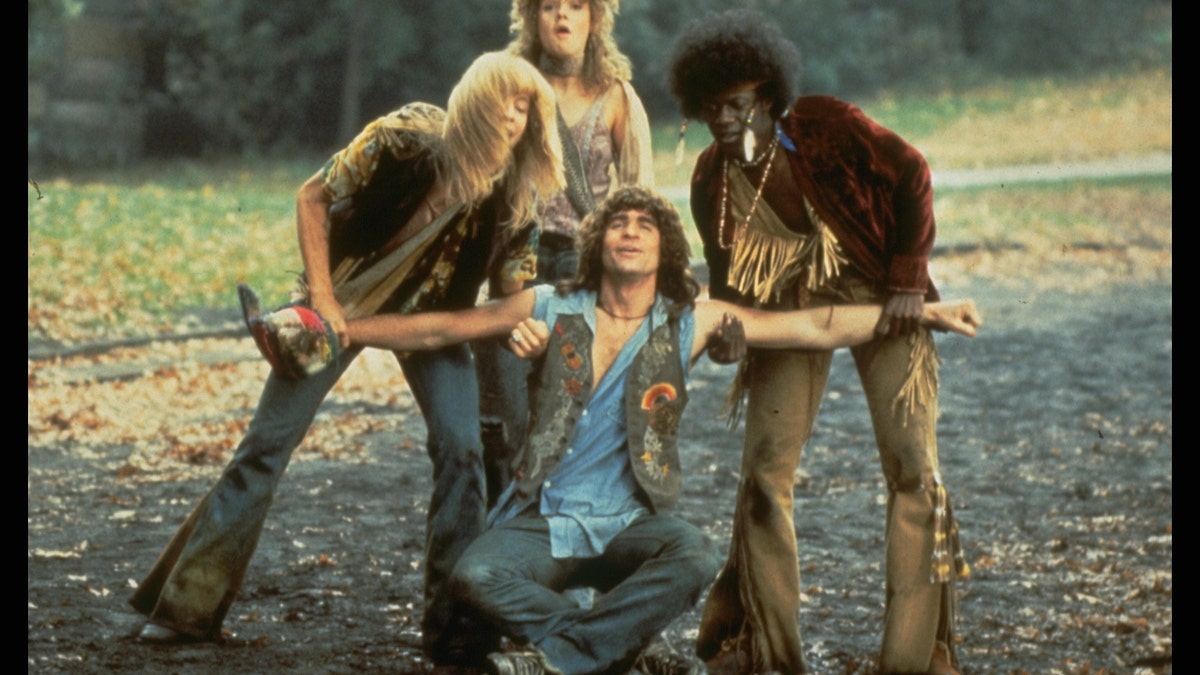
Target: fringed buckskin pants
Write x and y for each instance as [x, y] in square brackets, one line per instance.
[756, 599]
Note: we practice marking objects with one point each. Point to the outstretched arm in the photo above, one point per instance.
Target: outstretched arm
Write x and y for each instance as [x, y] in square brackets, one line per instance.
[824, 327]
[433, 330]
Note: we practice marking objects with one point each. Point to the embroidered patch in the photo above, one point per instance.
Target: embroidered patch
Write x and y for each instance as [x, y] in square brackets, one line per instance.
[652, 456]
[658, 394]
[571, 357]
[572, 386]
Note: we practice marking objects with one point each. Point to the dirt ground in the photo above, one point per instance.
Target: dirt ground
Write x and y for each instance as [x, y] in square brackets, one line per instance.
[1055, 440]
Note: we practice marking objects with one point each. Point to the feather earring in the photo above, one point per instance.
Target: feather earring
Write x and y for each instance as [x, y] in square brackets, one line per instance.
[679, 144]
[748, 140]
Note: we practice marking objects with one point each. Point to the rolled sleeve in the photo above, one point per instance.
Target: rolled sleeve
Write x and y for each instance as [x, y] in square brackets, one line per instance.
[908, 274]
[351, 168]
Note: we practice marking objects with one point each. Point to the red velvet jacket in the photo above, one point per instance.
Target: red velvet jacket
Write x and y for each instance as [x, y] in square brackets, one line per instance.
[870, 187]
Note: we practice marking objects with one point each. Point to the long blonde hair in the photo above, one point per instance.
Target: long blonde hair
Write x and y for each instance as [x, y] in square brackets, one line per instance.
[603, 62]
[477, 155]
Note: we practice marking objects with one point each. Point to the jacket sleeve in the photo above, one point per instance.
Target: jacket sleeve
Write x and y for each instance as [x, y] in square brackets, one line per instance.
[518, 254]
[910, 238]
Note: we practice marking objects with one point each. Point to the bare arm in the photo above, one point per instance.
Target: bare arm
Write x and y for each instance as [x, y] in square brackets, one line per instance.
[824, 327]
[312, 215]
[433, 330]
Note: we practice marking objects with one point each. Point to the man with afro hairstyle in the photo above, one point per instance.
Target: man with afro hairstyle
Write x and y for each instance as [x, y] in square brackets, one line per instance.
[807, 202]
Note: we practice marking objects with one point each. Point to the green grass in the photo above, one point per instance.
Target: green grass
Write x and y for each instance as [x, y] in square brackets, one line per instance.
[128, 252]
[1035, 121]
[1111, 213]
[111, 257]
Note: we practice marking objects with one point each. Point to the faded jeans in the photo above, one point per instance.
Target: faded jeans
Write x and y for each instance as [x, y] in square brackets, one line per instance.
[198, 575]
[649, 575]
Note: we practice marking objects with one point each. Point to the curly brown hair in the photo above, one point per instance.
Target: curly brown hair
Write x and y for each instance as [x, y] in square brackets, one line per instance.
[603, 62]
[720, 50]
[674, 279]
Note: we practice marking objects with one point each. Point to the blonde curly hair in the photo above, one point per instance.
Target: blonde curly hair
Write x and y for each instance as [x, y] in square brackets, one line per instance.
[603, 62]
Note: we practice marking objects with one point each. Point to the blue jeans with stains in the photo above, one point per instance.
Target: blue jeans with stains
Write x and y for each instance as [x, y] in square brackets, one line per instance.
[198, 575]
[649, 574]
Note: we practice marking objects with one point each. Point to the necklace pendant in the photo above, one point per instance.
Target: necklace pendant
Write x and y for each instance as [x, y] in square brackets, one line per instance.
[748, 143]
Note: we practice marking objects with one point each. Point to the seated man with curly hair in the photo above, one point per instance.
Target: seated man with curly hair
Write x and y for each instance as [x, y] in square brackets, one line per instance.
[600, 469]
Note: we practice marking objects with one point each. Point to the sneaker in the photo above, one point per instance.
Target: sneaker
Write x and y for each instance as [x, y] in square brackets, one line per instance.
[660, 658]
[153, 633]
[526, 662]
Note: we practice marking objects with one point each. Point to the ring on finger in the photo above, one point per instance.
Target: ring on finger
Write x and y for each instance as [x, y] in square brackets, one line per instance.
[516, 337]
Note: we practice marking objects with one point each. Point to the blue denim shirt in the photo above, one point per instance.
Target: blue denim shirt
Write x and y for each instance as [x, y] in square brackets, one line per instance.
[592, 494]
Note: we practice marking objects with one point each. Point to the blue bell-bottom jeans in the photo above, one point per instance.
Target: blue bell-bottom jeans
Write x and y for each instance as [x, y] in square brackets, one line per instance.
[649, 575]
[198, 575]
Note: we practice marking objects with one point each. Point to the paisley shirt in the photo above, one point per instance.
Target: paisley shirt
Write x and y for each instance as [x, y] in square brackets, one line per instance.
[380, 178]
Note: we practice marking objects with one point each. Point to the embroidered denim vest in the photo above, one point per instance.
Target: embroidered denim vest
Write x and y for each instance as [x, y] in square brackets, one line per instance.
[655, 396]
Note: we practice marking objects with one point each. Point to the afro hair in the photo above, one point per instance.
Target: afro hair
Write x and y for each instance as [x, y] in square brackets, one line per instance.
[720, 50]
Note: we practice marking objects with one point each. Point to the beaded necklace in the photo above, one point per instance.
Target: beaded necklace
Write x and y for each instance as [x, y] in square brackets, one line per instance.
[737, 235]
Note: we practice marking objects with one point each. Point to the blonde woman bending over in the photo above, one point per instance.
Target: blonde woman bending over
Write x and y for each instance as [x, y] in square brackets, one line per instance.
[414, 215]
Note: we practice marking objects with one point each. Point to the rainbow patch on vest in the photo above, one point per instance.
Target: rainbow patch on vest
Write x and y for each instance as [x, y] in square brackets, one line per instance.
[663, 418]
[658, 394]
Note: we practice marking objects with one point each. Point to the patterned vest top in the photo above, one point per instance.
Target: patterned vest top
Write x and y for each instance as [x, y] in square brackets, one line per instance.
[594, 140]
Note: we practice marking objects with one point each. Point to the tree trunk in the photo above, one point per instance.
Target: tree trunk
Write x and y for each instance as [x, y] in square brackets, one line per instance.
[351, 108]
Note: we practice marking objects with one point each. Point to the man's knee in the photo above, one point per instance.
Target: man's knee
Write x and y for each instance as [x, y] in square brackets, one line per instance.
[458, 450]
[766, 498]
[696, 558]
[909, 463]
[471, 580]
[915, 482]
[706, 563]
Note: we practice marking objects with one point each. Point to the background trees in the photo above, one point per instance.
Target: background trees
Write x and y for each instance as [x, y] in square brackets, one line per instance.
[216, 77]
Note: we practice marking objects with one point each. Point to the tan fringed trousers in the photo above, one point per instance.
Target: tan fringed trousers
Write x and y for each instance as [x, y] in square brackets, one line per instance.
[756, 599]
